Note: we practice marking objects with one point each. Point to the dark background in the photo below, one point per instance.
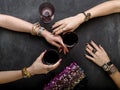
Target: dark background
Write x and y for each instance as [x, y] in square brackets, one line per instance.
[20, 49]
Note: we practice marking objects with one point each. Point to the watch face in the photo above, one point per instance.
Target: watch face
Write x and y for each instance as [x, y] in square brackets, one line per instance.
[105, 67]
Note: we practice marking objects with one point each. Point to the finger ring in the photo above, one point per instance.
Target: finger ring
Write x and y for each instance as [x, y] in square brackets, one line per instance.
[94, 51]
[48, 69]
[63, 29]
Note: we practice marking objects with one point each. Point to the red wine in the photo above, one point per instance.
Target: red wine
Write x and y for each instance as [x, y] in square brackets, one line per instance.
[70, 39]
[46, 11]
[51, 57]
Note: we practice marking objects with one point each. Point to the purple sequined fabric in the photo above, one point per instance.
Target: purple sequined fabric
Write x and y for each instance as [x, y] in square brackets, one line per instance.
[67, 79]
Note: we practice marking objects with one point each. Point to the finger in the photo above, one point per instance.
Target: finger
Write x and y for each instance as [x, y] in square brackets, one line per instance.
[60, 31]
[60, 50]
[59, 28]
[89, 57]
[41, 55]
[102, 48]
[95, 46]
[52, 67]
[59, 40]
[90, 52]
[65, 49]
[56, 24]
[56, 44]
[89, 46]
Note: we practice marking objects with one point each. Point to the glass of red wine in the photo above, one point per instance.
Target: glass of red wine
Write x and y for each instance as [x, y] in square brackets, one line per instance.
[70, 39]
[46, 11]
[51, 57]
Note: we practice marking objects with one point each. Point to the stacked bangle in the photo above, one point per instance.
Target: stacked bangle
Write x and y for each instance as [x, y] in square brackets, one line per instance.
[35, 26]
[25, 73]
[37, 29]
[87, 16]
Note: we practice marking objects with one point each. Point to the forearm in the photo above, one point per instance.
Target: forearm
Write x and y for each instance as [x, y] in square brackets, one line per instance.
[15, 24]
[9, 76]
[105, 8]
[116, 78]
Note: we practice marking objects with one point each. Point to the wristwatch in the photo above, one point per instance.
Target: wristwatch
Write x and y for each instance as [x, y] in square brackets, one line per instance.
[109, 67]
[87, 16]
[40, 30]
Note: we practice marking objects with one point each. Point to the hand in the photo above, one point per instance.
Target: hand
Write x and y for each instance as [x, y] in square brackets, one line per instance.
[68, 24]
[54, 40]
[39, 68]
[99, 56]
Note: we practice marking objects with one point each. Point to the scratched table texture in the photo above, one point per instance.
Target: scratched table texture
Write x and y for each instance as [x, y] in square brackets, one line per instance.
[20, 49]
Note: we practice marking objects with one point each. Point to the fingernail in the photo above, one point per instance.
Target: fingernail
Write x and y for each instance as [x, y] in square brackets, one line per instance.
[60, 60]
[45, 50]
[86, 44]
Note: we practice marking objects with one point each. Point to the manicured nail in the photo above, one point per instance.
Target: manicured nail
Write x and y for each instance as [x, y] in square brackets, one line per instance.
[86, 43]
[60, 59]
[45, 50]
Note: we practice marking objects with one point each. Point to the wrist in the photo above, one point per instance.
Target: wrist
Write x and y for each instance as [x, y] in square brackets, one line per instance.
[25, 73]
[80, 18]
[30, 70]
[37, 29]
[45, 33]
[109, 67]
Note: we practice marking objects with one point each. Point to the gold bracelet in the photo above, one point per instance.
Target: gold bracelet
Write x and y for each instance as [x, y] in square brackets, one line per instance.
[25, 73]
[34, 27]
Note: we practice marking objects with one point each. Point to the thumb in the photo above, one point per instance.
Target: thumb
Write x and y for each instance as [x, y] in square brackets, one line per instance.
[55, 65]
[41, 55]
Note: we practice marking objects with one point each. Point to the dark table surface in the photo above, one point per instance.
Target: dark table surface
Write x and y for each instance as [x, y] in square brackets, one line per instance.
[20, 49]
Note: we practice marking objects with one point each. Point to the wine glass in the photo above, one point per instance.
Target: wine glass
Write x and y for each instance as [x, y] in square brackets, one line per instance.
[46, 11]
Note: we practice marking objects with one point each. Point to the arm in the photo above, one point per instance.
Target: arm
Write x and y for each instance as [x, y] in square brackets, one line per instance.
[100, 57]
[36, 68]
[19, 25]
[103, 9]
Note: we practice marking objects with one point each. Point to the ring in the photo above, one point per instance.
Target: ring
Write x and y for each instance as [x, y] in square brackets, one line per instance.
[48, 69]
[63, 29]
[94, 51]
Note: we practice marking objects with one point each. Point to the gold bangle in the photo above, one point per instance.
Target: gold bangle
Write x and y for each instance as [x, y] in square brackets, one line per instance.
[34, 27]
[25, 73]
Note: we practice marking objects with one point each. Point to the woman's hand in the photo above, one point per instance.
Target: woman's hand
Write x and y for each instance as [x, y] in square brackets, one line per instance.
[39, 68]
[68, 24]
[54, 40]
[97, 54]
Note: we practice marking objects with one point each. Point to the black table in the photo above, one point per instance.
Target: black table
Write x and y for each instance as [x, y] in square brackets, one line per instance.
[20, 49]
